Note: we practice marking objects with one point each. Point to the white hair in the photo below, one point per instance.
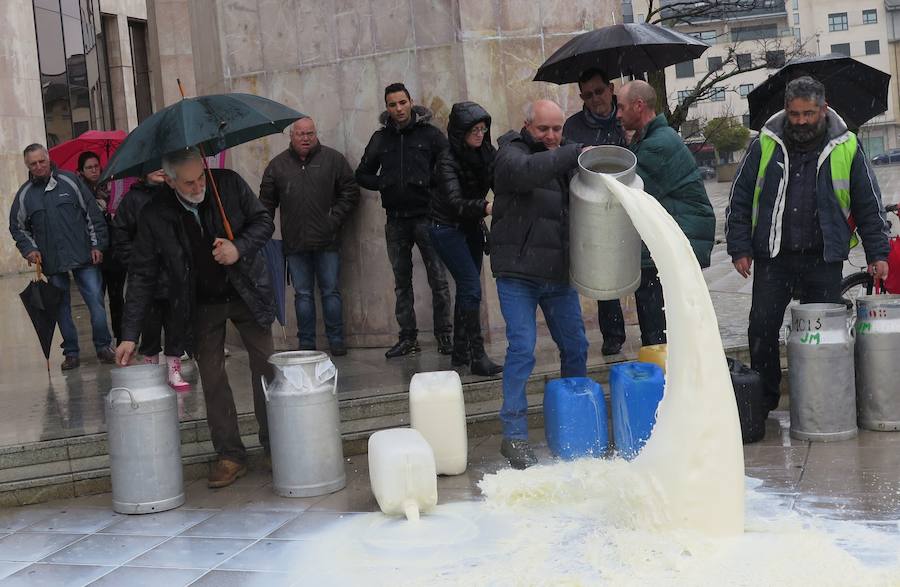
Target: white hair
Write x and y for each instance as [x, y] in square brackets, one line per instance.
[172, 161]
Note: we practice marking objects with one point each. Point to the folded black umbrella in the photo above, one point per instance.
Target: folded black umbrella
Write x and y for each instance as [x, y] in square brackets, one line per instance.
[41, 300]
[856, 91]
[620, 49]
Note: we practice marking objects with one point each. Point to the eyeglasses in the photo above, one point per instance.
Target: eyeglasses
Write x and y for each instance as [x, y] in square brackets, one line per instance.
[306, 135]
[478, 130]
[588, 95]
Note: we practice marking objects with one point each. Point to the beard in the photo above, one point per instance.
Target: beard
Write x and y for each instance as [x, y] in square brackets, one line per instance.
[192, 199]
[804, 133]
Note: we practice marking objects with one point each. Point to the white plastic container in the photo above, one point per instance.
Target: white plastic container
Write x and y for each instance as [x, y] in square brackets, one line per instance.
[402, 473]
[437, 410]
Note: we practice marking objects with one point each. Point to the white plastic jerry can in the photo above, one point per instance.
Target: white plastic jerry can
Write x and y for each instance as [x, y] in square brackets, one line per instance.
[437, 410]
[402, 473]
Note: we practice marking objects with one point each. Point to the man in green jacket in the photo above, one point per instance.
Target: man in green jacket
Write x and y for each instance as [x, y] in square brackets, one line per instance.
[670, 175]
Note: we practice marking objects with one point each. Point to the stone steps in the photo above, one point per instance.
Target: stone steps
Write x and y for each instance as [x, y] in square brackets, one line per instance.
[71, 467]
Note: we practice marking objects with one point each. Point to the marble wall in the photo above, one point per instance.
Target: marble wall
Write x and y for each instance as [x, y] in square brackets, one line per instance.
[21, 112]
[332, 58]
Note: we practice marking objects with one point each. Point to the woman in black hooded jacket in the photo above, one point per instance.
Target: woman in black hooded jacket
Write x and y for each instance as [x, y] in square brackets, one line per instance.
[465, 173]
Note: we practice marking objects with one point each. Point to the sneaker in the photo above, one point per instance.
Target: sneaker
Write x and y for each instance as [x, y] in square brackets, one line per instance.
[107, 356]
[71, 362]
[611, 347]
[405, 346]
[176, 381]
[224, 473]
[338, 350]
[445, 344]
[518, 453]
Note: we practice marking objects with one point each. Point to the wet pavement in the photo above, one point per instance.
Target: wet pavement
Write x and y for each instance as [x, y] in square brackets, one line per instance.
[228, 536]
[245, 534]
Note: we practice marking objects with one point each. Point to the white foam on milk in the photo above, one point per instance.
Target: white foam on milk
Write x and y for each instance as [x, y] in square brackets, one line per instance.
[673, 516]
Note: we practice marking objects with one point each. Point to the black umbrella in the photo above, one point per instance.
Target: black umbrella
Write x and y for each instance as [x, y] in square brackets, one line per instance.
[856, 91]
[41, 300]
[620, 49]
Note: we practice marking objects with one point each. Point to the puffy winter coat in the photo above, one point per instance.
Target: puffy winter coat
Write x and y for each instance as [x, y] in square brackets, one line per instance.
[530, 225]
[399, 163]
[464, 175]
[162, 244]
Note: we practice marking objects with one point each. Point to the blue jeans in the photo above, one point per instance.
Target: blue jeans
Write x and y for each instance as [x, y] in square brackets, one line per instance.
[307, 269]
[462, 253]
[519, 300]
[90, 284]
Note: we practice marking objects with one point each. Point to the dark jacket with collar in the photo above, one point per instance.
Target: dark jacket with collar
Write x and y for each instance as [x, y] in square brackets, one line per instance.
[124, 227]
[59, 218]
[162, 245]
[316, 196]
[530, 222]
[464, 175]
[582, 129]
[765, 239]
[399, 163]
[670, 175]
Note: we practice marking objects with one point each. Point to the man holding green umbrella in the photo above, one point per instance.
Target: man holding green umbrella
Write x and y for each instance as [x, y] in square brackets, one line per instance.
[212, 279]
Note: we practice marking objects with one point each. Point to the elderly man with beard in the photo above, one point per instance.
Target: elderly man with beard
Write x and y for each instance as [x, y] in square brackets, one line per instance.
[801, 187]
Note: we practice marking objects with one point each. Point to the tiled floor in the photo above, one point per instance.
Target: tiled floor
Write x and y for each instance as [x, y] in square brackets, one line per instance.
[246, 535]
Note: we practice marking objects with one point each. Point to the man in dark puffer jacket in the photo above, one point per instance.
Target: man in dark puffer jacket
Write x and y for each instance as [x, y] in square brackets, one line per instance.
[399, 162]
[211, 280]
[530, 259]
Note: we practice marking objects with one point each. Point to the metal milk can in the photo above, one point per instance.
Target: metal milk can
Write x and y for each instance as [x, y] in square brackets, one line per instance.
[144, 441]
[604, 247]
[878, 361]
[820, 371]
[304, 425]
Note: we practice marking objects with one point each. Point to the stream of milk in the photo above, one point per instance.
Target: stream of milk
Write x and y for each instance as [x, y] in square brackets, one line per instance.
[673, 516]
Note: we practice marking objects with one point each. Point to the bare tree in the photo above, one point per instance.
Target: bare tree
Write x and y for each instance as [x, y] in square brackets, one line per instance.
[767, 53]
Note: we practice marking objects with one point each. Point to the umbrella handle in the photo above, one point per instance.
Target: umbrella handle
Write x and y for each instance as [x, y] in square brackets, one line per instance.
[39, 275]
[228, 233]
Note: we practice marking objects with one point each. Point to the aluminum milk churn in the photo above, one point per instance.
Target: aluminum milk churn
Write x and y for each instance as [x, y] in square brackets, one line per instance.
[604, 247]
[144, 441]
[304, 425]
[820, 371]
[878, 361]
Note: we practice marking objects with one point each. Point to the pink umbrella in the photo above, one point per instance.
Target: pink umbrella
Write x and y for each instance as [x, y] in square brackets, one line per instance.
[102, 142]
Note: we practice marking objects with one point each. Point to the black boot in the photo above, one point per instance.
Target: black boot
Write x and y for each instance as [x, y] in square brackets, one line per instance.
[481, 364]
[460, 355]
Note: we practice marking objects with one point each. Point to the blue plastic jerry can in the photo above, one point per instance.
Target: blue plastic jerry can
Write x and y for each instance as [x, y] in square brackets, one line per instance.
[575, 418]
[636, 390]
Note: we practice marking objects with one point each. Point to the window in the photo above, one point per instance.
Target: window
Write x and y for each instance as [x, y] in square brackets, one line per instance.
[795, 5]
[841, 48]
[873, 47]
[138, 31]
[683, 95]
[797, 33]
[627, 12]
[754, 33]
[708, 36]
[684, 69]
[870, 16]
[774, 59]
[745, 120]
[745, 89]
[74, 89]
[718, 95]
[690, 127]
[837, 21]
[744, 61]
[714, 63]
[796, 18]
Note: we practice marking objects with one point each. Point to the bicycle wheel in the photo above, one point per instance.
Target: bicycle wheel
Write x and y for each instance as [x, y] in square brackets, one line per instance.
[855, 285]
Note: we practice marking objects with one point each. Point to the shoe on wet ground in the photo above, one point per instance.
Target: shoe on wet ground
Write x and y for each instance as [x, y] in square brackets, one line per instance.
[445, 344]
[611, 347]
[405, 346]
[71, 362]
[107, 356]
[224, 473]
[518, 453]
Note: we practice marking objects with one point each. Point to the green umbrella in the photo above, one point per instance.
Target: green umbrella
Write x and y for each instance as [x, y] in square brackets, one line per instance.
[213, 123]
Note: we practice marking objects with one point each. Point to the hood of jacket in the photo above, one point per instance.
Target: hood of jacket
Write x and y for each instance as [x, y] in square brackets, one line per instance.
[834, 124]
[463, 116]
[420, 116]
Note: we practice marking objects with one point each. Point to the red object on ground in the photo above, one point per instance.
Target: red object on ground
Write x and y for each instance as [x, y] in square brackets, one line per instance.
[102, 142]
